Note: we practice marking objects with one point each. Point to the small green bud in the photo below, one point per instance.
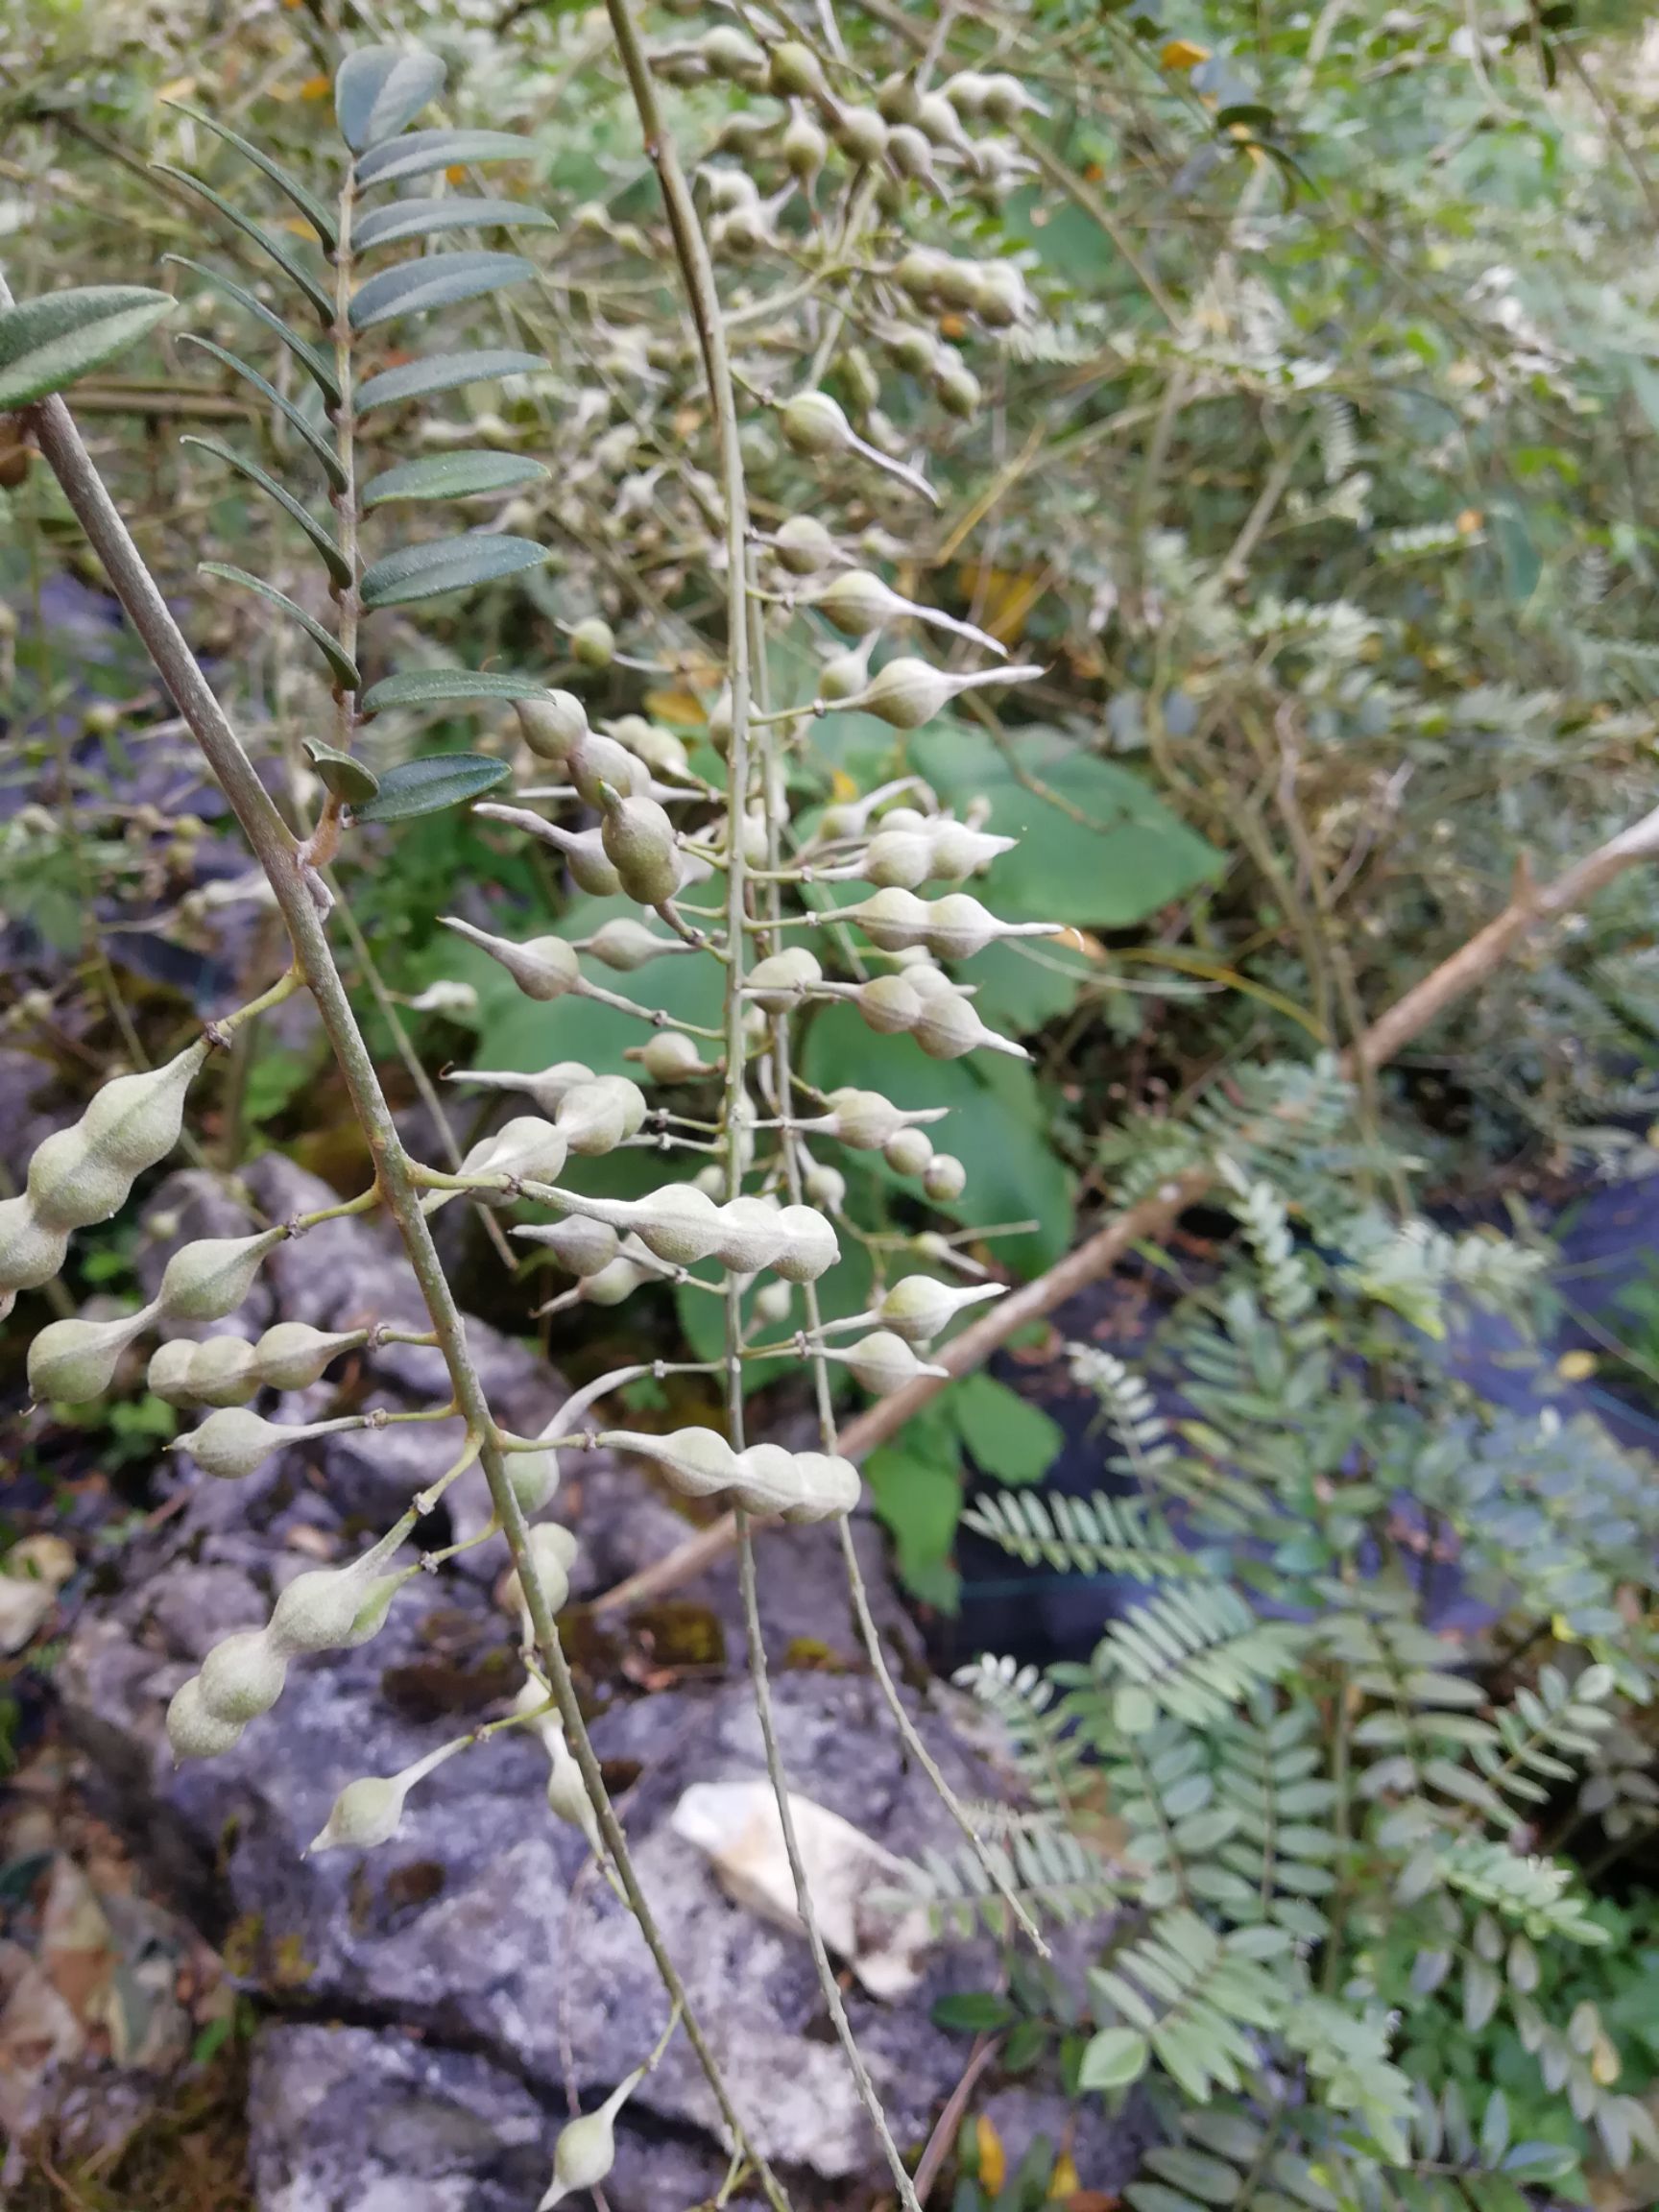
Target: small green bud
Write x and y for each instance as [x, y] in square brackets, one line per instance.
[194, 1732]
[906, 694]
[660, 749]
[824, 1185]
[552, 724]
[76, 1359]
[242, 1677]
[641, 844]
[1004, 99]
[938, 118]
[920, 271]
[861, 133]
[534, 1476]
[918, 1307]
[896, 99]
[583, 1246]
[292, 1356]
[804, 148]
[594, 642]
[371, 1615]
[773, 1302]
[908, 1151]
[586, 2148]
[208, 1279]
[846, 675]
[944, 1178]
[793, 71]
[625, 943]
[671, 1057]
[814, 425]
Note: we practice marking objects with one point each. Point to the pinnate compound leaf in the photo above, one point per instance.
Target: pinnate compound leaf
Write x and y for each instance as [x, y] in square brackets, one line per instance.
[320, 217]
[342, 776]
[380, 88]
[294, 271]
[337, 658]
[447, 565]
[461, 475]
[422, 218]
[335, 562]
[428, 786]
[332, 465]
[48, 343]
[321, 371]
[443, 373]
[424, 151]
[442, 687]
[435, 281]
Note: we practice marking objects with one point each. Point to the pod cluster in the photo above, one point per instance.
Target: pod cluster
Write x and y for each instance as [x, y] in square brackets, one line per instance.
[764, 1479]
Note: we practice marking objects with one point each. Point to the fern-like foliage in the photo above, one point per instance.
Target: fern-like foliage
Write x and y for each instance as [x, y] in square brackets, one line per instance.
[1097, 1535]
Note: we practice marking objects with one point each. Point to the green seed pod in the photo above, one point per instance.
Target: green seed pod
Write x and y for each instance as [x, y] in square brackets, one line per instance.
[552, 724]
[745, 133]
[798, 1487]
[719, 727]
[958, 926]
[945, 1178]
[223, 1372]
[698, 1462]
[956, 387]
[908, 1151]
[883, 1361]
[234, 1442]
[242, 1676]
[77, 1359]
[69, 1188]
[938, 119]
[906, 694]
[594, 1118]
[319, 1609]
[911, 154]
[293, 1356]
[999, 296]
[526, 1148]
[679, 1223]
[368, 1812]
[803, 545]
[967, 91]
[208, 1279]
[751, 1234]
[810, 1244]
[960, 851]
[594, 762]
[30, 1252]
[773, 1302]
[534, 1476]
[1004, 99]
[613, 1282]
[792, 72]
[813, 424]
[863, 1120]
[171, 1366]
[586, 2148]
[672, 1057]
[918, 1307]
[861, 133]
[194, 1732]
[731, 54]
[552, 1554]
[949, 1028]
[782, 979]
[913, 348]
[896, 99]
[804, 148]
[824, 1185]
[899, 858]
[889, 1004]
[594, 642]
[544, 968]
[920, 271]
[641, 844]
[568, 1797]
[846, 675]
[132, 1123]
[583, 1246]
[371, 1615]
[625, 943]
[660, 749]
[590, 866]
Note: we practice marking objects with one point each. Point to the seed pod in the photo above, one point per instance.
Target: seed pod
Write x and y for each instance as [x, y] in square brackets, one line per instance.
[193, 1732]
[586, 2148]
[1004, 99]
[793, 72]
[234, 1442]
[782, 979]
[920, 271]
[846, 675]
[913, 348]
[944, 1178]
[170, 1370]
[798, 1487]
[30, 1252]
[671, 1057]
[956, 387]
[911, 154]
[370, 1812]
[773, 1302]
[625, 943]
[208, 1279]
[908, 1151]
[377, 1597]
[824, 1185]
[803, 545]
[719, 724]
[960, 851]
[132, 1123]
[568, 1797]
[544, 968]
[889, 1004]
[242, 1676]
[745, 132]
[659, 748]
[679, 1223]
[68, 1187]
[896, 98]
[552, 724]
[583, 1246]
[223, 1372]
[292, 1356]
[730, 53]
[999, 296]
[967, 91]
[906, 694]
[526, 1148]
[883, 1361]
[594, 642]
[614, 1283]
[336, 1608]
[899, 858]
[804, 148]
[752, 1235]
[814, 425]
[594, 1118]
[594, 762]
[918, 1307]
[938, 119]
[861, 133]
[552, 1554]
[76, 1359]
[949, 1027]
[641, 844]
[533, 1478]
[810, 1244]
[864, 1119]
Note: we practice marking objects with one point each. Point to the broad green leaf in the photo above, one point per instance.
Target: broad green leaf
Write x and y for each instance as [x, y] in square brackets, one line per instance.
[320, 444]
[1014, 1441]
[434, 281]
[1212, 2181]
[335, 562]
[48, 343]
[920, 1503]
[337, 658]
[428, 786]
[974, 2011]
[380, 88]
[321, 371]
[320, 217]
[447, 565]
[341, 774]
[424, 218]
[424, 151]
[296, 274]
[458, 475]
[1113, 2058]
[442, 373]
[440, 687]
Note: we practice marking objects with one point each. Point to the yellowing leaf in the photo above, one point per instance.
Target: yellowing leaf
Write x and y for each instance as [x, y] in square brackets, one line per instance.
[1064, 2178]
[676, 706]
[993, 2158]
[315, 88]
[842, 788]
[1575, 1366]
[1004, 597]
[1183, 54]
[456, 173]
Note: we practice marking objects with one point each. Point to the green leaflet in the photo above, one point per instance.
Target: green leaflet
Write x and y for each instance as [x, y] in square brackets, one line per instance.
[428, 786]
[320, 217]
[441, 686]
[336, 563]
[435, 281]
[48, 343]
[451, 476]
[423, 151]
[380, 88]
[321, 371]
[445, 565]
[442, 373]
[342, 776]
[319, 446]
[424, 218]
[341, 662]
[320, 299]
